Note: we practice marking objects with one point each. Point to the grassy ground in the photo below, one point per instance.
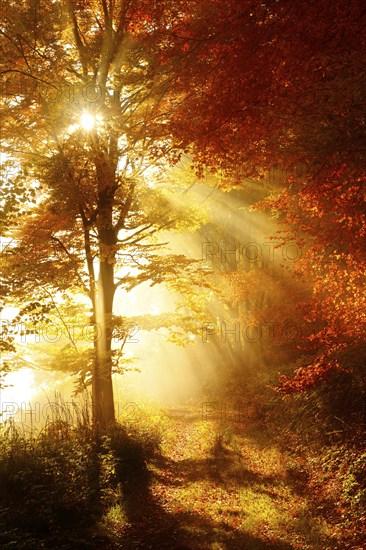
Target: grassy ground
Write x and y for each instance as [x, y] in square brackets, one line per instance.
[220, 485]
[185, 478]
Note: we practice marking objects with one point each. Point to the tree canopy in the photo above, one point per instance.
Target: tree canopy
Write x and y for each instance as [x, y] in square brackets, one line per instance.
[100, 97]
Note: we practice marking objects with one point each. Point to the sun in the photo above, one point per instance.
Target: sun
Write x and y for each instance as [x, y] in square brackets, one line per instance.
[87, 121]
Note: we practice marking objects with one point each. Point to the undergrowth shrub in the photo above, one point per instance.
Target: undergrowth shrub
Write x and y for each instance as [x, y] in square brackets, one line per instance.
[63, 480]
[48, 484]
[147, 426]
[321, 433]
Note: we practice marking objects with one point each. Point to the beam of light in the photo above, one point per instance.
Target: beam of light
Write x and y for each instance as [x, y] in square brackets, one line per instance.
[170, 374]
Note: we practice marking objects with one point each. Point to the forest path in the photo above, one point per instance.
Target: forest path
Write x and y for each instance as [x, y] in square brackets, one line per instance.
[219, 484]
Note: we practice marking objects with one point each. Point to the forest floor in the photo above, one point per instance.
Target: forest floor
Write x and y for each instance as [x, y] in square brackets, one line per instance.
[218, 484]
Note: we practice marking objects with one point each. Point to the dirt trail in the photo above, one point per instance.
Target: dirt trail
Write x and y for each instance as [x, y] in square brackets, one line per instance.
[218, 485]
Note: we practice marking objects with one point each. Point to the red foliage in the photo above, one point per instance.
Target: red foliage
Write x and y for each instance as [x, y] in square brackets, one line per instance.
[281, 84]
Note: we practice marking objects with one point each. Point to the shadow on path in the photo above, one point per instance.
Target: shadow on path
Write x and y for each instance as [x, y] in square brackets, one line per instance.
[152, 526]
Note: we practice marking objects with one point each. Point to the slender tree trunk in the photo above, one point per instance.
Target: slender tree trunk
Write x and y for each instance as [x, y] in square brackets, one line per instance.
[103, 401]
[102, 388]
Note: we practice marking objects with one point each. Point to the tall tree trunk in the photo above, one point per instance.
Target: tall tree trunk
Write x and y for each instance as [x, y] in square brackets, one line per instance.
[103, 401]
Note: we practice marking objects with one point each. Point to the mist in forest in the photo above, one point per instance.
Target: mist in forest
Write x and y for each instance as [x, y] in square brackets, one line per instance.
[235, 239]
